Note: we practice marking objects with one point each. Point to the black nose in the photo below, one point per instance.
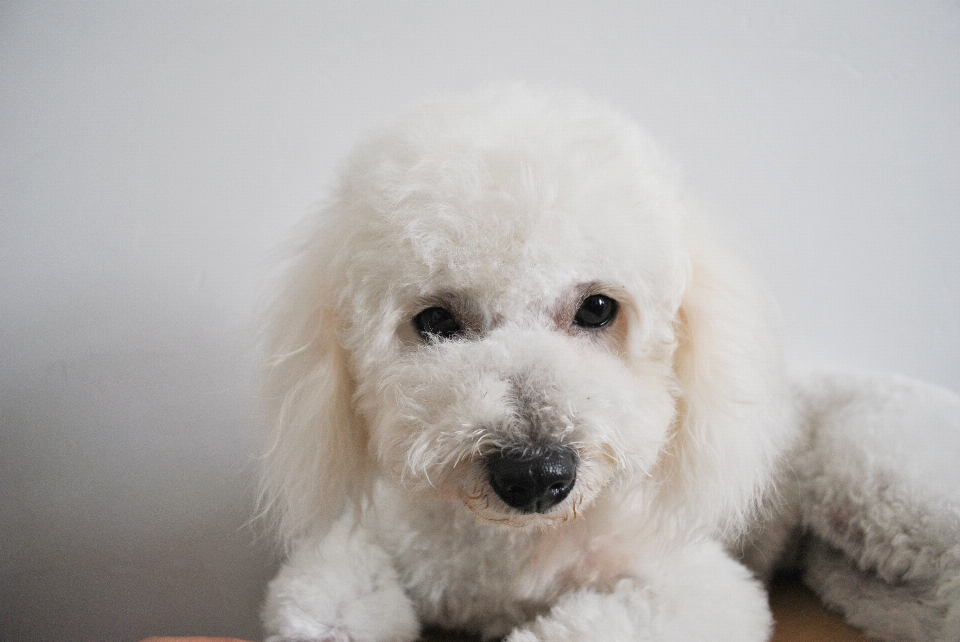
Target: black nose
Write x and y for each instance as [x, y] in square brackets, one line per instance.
[535, 482]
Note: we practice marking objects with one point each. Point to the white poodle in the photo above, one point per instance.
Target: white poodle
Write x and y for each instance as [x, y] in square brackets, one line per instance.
[516, 391]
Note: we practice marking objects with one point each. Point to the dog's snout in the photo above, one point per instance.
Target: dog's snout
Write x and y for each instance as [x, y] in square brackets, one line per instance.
[533, 482]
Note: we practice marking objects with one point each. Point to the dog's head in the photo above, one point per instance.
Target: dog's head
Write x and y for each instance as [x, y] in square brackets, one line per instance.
[506, 305]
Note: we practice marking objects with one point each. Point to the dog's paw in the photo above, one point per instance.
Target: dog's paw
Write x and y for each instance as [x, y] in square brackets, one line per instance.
[358, 623]
[362, 621]
[699, 594]
[337, 635]
[383, 614]
[342, 588]
[622, 615]
[334, 637]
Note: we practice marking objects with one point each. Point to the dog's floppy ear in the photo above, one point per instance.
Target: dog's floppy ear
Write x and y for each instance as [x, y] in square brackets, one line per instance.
[316, 460]
[732, 418]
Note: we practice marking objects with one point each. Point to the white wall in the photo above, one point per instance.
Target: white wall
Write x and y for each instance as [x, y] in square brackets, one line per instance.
[151, 153]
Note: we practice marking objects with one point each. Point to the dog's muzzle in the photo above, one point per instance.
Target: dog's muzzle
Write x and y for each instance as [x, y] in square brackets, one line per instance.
[533, 482]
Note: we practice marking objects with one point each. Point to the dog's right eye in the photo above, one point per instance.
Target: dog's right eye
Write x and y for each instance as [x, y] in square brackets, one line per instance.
[596, 311]
[437, 323]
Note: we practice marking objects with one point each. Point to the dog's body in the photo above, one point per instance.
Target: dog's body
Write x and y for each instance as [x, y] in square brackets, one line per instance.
[518, 392]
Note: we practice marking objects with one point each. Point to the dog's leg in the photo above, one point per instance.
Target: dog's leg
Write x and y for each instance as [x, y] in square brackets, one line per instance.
[881, 503]
[698, 593]
[341, 588]
[905, 611]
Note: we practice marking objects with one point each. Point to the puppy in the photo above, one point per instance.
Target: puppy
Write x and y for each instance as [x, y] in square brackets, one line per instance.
[515, 390]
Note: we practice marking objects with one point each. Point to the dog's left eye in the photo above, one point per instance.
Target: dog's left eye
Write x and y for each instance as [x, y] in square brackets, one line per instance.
[437, 322]
[596, 311]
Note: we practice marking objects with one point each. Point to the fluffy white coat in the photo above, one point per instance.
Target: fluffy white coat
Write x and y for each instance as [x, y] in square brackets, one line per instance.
[508, 209]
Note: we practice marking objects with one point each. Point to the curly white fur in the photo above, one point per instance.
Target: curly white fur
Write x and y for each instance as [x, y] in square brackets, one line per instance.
[508, 208]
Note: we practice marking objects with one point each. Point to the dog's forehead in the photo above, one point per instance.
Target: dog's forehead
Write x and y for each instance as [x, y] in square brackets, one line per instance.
[514, 198]
[528, 239]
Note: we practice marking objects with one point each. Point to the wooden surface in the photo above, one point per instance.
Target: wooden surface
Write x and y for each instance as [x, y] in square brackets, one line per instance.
[801, 617]
[798, 613]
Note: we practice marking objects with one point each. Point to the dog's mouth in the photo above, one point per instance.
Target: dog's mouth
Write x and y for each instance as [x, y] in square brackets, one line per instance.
[532, 481]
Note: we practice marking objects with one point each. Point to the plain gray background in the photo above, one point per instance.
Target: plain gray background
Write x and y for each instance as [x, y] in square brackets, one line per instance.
[151, 155]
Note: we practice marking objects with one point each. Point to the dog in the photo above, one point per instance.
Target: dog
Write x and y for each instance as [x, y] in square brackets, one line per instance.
[516, 389]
